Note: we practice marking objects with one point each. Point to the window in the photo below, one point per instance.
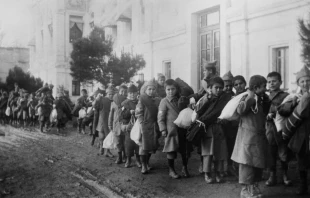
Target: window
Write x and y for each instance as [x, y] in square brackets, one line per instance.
[209, 38]
[76, 88]
[76, 28]
[280, 63]
[167, 69]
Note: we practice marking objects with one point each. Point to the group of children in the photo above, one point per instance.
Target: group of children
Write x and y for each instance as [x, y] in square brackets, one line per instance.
[22, 109]
[249, 144]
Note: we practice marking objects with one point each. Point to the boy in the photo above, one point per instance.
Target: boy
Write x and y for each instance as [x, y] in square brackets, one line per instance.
[80, 102]
[44, 117]
[276, 144]
[128, 112]
[146, 113]
[228, 83]
[3, 105]
[239, 84]
[63, 112]
[251, 145]
[32, 103]
[114, 121]
[161, 86]
[299, 142]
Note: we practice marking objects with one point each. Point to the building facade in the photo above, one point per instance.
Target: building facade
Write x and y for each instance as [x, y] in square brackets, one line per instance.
[11, 57]
[247, 37]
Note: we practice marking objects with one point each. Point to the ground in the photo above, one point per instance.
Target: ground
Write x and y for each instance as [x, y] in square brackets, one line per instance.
[40, 165]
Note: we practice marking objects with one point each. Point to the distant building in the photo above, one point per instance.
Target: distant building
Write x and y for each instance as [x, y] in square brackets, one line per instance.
[245, 36]
[11, 57]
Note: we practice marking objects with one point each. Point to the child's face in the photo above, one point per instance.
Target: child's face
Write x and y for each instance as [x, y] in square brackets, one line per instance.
[109, 95]
[207, 73]
[171, 90]
[304, 83]
[260, 90]
[132, 95]
[239, 85]
[161, 81]
[84, 93]
[228, 85]
[217, 89]
[274, 83]
[150, 91]
[122, 92]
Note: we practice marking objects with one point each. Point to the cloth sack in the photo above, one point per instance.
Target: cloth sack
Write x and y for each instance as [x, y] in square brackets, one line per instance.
[8, 111]
[82, 113]
[184, 118]
[135, 133]
[53, 116]
[230, 110]
[195, 133]
[110, 141]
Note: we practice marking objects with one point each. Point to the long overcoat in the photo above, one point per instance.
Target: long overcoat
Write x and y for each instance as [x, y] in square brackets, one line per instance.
[214, 140]
[146, 113]
[168, 112]
[251, 147]
[115, 112]
[102, 106]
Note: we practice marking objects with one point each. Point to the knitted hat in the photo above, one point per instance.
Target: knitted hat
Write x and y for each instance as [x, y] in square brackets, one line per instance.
[208, 65]
[302, 73]
[160, 75]
[228, 76]
[132, 89]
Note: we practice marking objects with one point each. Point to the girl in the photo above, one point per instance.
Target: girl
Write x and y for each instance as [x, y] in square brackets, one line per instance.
[146, 113]
[213, 144]
[3, 105]
[174, 136]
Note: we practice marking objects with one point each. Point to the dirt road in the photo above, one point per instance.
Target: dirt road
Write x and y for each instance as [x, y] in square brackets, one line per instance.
[46, 165]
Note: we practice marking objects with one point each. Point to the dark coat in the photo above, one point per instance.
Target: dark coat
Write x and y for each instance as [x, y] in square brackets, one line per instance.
[214, 141]
[302, 133]
[168, 112]
[251, 147]
[115, 112]
[161, 92]
[63, 111]
[146, 113]
[102, 107]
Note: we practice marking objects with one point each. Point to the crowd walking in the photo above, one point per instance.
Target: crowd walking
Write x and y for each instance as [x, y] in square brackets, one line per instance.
[263, 124]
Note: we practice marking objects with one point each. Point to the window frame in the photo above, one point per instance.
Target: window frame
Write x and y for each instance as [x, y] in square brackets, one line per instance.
[71, 40]
[76, 91]
[165, 69]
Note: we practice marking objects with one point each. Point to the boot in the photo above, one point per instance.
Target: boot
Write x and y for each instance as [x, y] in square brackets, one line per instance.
[286, 181]
[144, 164]
[101, 151]
[244, 192]
[109, 154]
[272, 181]
[208, 178]
[83, 130]
[172, 172]
[302, 188]
[119, 159]
[41, 127]
[254, 191]
[138, 162]
[93, 141]
[148, 162]
[128, 162]
[201, 165]
[185, 172]
[218, 177]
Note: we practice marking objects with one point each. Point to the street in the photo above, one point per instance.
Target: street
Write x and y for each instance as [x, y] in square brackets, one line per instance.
[34, 164]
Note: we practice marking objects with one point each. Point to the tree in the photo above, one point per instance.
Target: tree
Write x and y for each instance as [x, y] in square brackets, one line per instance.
[24, 80]
[92, 59]
[304, 34]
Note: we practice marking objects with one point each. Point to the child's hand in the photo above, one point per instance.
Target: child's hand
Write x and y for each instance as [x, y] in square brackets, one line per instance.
[270, 116]
[164, 133]
[192, 101]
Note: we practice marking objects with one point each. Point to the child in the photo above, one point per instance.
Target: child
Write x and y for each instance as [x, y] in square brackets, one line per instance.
[299, 143]
[23, 112]
[102, 106]
[228, 83]
[161, 86]
[146, 113]
[3, 105]
[32, 103]
[63, 112]
[276, 144]
[168, 112]
[251, 145]
[213, 144]
[44, 116]
[128, 111]
[80, 102]
[114, 122]
[239, 84]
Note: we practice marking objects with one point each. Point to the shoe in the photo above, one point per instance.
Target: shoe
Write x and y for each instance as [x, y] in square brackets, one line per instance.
[149, 168]
[128, 162]
[119, 159]
[144, 170]
[138, 164]
[272, 181]
[92, 142]
[244, 192]
[208, 178]
[218, 178]
[101, 151]
[286, 181]
[185, 172]
[83, 132]
[173, 175]
[255, 191]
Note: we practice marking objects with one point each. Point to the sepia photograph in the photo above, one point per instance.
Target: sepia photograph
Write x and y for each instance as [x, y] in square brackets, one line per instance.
[154, 98]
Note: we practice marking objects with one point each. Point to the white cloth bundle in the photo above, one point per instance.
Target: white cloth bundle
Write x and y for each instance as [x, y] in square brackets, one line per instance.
[110, 141]
[230, 110]
[135, 133]
[184, 118]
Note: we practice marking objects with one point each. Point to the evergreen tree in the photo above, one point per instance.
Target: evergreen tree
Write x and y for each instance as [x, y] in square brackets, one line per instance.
[92, 59]
[304, 34]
